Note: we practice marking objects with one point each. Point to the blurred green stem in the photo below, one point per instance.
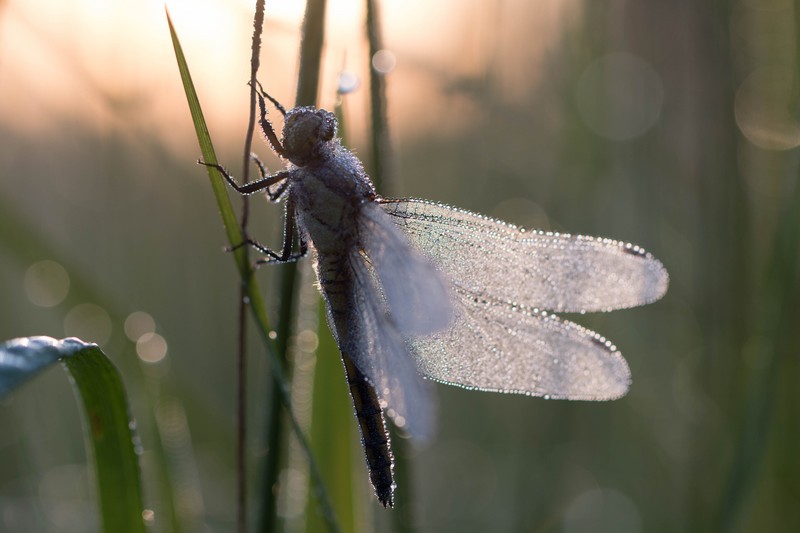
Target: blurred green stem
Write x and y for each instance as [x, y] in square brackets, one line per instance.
[377, 96]
[313, 32]
[778, 329]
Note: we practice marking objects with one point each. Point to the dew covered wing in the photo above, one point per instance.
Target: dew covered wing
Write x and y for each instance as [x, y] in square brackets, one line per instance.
[555, 272]
[496, 347]
[504, 282]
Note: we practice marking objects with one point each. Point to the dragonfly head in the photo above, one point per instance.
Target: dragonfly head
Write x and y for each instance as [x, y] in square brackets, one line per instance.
[306, 133]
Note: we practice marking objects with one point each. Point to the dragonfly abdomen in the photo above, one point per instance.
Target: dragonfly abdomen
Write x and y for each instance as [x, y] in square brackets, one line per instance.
[337, 281]
[374, 434]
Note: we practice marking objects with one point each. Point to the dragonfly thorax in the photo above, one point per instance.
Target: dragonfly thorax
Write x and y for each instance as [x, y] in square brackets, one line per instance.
[307, 132]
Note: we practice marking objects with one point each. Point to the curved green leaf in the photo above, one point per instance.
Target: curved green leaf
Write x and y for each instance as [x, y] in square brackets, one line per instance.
[107, 423]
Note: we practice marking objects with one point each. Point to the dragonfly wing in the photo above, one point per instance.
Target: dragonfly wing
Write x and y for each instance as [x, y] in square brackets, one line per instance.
[417, 295]
[497, 347]
[557, 272]
[381, 353]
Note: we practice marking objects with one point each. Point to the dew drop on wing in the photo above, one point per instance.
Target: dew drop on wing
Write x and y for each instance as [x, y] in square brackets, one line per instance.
[558, 272]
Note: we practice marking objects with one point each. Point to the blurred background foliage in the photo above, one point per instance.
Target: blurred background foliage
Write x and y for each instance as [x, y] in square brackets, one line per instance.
[670, 124]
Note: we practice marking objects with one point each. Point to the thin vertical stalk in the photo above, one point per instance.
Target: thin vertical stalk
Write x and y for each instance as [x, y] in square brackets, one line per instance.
[241, 396]
[381, 176]
[311, 53]
[241, 405]
[377, 96]
[255, 62]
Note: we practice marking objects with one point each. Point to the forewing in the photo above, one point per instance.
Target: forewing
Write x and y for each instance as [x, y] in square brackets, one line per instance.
[497, 347]
[552, 271]
[417, 295]
[379, 350]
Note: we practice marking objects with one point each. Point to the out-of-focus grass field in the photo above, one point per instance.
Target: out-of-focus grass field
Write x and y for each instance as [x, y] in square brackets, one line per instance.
[672, 125]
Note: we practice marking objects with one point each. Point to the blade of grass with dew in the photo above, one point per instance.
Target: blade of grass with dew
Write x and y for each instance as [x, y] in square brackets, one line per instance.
[107, 422]
[207, 149]
[254, 296]
[27, 245]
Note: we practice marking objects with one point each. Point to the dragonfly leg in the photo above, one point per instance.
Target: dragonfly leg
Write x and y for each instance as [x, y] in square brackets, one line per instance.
[264, 93]
[266, 182]
[266, 125]
[275, 195]
[289, 231]
[254, 186]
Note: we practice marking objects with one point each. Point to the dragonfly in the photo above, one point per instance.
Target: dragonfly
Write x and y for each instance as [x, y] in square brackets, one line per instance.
[416, 288]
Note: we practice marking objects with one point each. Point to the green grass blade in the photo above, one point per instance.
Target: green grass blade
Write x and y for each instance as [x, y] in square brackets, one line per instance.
[778, 325]
[254, 295]
[107, 421]
[333, 438]
[207, 149]
[218, 186]
[25, 244]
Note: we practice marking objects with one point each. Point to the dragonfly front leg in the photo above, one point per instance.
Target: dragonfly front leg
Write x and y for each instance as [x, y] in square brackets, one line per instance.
[265, 124]
[290, 225]
[265, 182]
